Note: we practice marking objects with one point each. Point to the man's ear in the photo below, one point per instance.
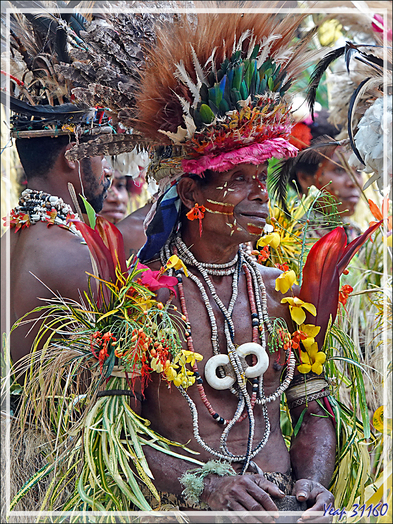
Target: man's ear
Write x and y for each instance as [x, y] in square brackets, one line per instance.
[187, 189]
[71, 164]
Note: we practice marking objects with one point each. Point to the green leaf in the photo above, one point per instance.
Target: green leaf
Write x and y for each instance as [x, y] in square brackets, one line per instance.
[91, 214]
[270, 83]
[299, 422]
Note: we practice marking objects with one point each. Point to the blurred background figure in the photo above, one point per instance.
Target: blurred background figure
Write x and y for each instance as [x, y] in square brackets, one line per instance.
[328, 170]
[128, 191]
[129, 198]
[115, 206]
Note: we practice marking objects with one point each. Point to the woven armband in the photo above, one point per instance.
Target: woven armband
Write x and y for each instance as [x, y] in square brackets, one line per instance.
[306, 388]
[193, 479]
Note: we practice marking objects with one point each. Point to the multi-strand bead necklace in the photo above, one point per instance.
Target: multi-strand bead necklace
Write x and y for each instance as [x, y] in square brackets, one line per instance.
[37, 206]
[260, 319]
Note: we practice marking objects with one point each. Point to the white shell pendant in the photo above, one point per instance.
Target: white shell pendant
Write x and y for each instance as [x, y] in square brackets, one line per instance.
[211, 376]
[249, 348]
[259, 368]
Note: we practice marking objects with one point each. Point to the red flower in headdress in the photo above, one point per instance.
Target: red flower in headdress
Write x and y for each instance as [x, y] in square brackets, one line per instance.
[300, 136]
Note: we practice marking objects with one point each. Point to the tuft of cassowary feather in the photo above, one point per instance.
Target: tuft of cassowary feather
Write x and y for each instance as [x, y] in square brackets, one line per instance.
[322, 148]
[317, 74]
[278, 181]
[349, 51]
[351, 111]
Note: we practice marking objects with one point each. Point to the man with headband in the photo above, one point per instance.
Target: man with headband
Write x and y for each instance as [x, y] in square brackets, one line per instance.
[213, 99]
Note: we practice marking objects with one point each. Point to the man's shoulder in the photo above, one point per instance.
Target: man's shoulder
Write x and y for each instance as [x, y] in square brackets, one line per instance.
[53, 253]
[269, 274]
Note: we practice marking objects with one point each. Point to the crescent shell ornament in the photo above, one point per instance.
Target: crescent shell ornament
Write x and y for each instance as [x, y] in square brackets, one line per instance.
[226, 382]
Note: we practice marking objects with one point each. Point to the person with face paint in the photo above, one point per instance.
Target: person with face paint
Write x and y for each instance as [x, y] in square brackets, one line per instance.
[212, 199]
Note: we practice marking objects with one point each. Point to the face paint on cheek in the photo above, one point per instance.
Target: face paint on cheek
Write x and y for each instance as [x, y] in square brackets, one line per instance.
[255, 230]
[225, 188]
[233, 226]
[220, 208]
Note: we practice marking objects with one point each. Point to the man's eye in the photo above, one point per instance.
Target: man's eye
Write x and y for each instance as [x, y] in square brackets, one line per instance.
[239, 178]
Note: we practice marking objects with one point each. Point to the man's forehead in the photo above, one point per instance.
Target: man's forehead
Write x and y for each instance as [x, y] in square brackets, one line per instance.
[243, 168]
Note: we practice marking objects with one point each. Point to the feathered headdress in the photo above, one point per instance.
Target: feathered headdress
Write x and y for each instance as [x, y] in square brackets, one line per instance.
[214, 94]
[74, 75]
[40, 98]
[215, 89]
[364, 116]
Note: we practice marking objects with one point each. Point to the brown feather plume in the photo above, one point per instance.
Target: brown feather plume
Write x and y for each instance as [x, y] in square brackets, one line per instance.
[157, 102]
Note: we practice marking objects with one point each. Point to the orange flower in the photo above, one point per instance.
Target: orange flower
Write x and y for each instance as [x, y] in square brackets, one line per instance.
[381, 214]
[344, 293]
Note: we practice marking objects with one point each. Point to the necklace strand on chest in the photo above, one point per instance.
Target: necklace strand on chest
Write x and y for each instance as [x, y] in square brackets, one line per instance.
[259, 315]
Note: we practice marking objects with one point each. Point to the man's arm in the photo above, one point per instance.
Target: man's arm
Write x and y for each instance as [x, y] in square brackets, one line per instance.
[313, 453]
[56, 263]
[234, 493]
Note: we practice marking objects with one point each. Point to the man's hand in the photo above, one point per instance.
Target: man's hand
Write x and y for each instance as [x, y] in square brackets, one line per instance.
[242, 493]
[317, 498]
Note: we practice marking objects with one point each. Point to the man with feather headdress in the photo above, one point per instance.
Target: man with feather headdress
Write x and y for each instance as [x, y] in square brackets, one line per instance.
[213, 100]
[46, 125]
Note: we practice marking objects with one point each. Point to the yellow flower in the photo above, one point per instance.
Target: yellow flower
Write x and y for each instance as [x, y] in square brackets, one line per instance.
[295, 308]
[320, 359]
[310, 330]
[285, 281]
[170, 372]
[272, 240]
[191, 357]
[329, 32]
[174, 262]
[156, 365]
[305, 366]
[379, 419]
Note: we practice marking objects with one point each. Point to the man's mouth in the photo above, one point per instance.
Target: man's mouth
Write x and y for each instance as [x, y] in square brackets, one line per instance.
[257, 217]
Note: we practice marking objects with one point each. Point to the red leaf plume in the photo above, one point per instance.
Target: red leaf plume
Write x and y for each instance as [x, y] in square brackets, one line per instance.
[99, 251]
[325, 263]
[113, 240]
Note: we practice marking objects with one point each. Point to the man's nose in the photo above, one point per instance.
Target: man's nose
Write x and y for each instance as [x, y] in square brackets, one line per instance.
[113, 193]
[259, 191]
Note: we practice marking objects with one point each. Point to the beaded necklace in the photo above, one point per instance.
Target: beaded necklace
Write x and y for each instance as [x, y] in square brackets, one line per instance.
[259, 316]
[37, 206]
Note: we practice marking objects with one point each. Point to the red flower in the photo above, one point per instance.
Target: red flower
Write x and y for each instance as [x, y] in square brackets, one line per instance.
[344, 293]
[264, 254]
[197, 213]
[300, 136]
[155, 280]
[103, 341]
[297, 337]
[283, 267]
